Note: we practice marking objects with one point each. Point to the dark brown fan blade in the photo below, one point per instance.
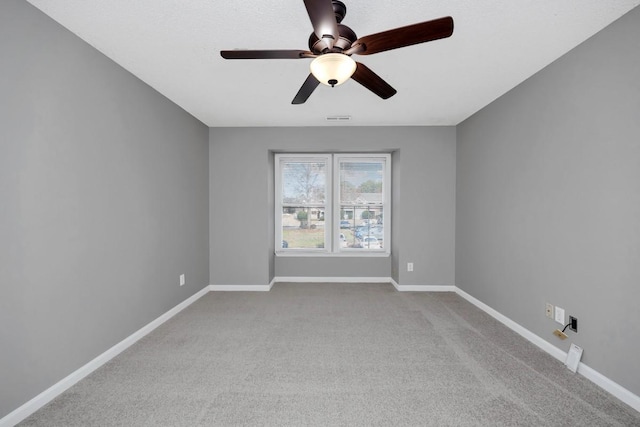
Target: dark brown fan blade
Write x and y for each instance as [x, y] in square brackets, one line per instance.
[266, 54]
[306, 90]
[404, 36]
[323, 19]
[372, 81]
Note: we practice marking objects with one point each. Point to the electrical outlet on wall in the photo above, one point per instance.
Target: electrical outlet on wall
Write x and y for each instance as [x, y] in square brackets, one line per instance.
[409, 266]
[182, 280]
[560, 315]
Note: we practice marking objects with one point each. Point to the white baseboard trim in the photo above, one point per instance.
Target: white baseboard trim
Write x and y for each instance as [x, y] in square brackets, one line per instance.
[425, 288]
[58, 388]
[304, 279]
[591, 374]
[240, 288]
[535, 339]
[612, 387]
[332, 279]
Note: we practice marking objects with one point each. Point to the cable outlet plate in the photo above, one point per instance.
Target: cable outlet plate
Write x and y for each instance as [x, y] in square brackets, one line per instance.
[559, 315]
[548, 311]
[573, 324]
[560, 334]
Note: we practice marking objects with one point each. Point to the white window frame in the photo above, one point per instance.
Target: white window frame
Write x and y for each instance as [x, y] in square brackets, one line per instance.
[332, 204]
[386, 201]
[279, 158]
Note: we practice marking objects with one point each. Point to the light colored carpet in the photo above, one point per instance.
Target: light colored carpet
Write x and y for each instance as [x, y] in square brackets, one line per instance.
[334, 354]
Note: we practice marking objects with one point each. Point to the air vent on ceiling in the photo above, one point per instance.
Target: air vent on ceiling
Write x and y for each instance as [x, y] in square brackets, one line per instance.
[338, 118]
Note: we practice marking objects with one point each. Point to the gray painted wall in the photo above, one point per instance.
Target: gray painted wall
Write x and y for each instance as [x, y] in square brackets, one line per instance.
[397, 213]
[271, 237]
[242, 209]
[333, 267]
[104, 193]
[548, 200]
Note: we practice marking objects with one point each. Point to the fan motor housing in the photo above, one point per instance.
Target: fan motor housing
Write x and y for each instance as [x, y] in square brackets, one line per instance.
[347, 37]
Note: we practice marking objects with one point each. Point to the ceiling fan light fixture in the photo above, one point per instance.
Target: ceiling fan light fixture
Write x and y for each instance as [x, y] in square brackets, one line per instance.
[333, 69]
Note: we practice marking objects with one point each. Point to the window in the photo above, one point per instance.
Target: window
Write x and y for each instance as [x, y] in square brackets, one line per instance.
[332, 204]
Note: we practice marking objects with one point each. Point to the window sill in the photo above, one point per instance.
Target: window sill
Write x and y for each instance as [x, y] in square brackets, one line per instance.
[334, 255]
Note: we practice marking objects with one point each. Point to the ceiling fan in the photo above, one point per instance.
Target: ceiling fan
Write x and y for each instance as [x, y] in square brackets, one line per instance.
[332, 44]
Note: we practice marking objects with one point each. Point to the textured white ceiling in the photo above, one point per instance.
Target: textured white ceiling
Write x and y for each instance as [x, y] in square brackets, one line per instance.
[173, 45]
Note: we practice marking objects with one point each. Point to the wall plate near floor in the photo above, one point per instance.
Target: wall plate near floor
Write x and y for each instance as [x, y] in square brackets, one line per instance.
[573, 358]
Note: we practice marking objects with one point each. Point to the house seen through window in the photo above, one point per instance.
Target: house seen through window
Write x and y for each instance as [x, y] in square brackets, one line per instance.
[332, 203]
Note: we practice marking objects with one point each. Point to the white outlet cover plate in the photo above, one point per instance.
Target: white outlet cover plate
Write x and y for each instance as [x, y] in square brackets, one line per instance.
[559, 315]
[573, 358]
